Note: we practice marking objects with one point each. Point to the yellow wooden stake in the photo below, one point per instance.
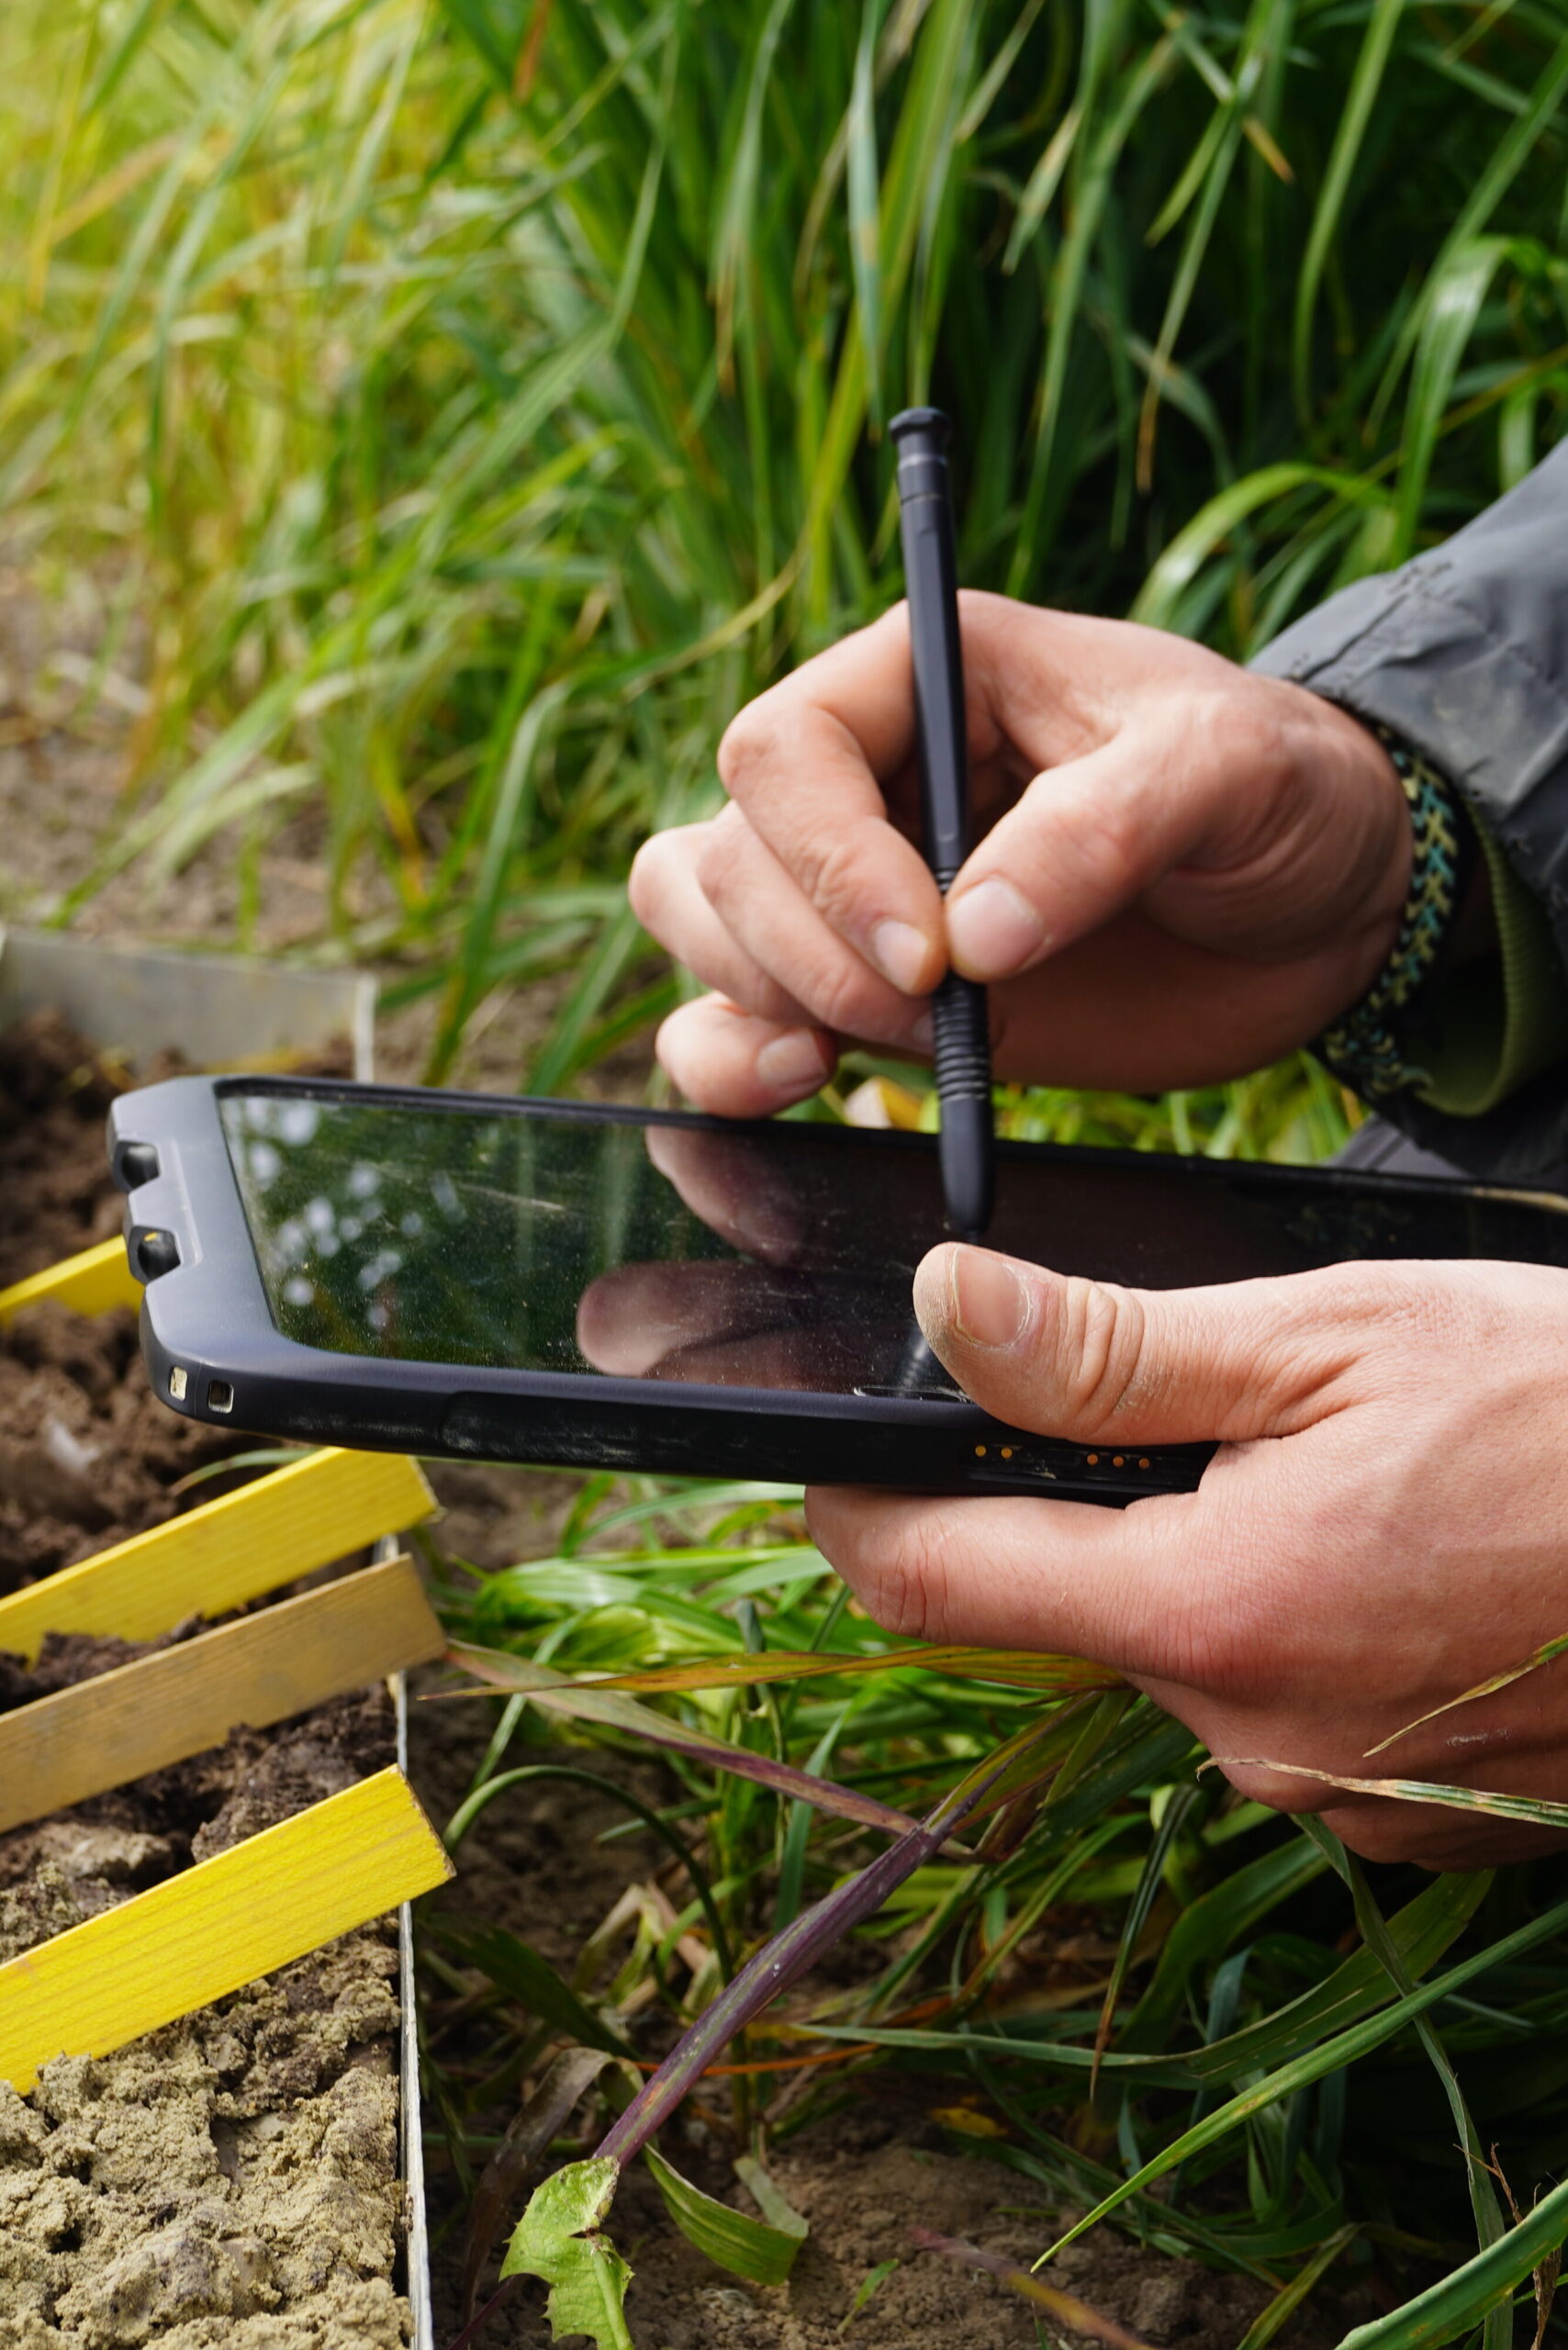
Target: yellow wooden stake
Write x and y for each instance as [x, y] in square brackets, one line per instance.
[222, 1924]
[91, 1283]
[159, 1709]
[226, 1552]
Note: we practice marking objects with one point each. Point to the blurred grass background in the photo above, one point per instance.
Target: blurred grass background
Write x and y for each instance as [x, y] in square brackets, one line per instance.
[467, 404]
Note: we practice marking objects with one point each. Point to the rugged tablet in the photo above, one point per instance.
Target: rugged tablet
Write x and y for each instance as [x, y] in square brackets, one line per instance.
[552, 1281]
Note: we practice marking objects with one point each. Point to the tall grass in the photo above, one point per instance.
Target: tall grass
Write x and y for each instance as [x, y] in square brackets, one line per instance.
[473, 403]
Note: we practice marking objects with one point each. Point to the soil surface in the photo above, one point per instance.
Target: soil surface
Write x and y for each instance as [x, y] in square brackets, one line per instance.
[55, 1092]
[88, 1456]
[863, 2175]
[232, 2179]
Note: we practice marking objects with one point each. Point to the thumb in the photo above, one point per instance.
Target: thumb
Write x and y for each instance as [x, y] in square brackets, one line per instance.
[1085, 1360]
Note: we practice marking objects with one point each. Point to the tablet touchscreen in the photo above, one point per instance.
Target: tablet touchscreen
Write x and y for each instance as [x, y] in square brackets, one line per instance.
[532, 1238]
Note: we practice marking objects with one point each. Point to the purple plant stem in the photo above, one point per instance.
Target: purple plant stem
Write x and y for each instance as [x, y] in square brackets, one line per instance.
[789, 1954]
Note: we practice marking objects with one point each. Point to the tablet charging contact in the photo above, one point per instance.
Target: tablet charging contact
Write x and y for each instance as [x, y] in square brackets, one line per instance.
[1011, 1465]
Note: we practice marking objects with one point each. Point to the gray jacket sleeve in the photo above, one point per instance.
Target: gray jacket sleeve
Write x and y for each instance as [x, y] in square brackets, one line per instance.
[1464, 653]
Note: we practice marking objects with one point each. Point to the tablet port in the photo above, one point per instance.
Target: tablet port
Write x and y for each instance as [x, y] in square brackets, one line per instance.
[1013, 1472]
[219, 1395]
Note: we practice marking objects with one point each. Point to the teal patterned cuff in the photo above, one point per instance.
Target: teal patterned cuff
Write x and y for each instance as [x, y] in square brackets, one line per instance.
[1368, 1048]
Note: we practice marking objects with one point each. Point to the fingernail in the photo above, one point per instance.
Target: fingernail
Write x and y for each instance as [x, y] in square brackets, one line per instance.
[993, 929]
[990, 1304]
[795, 1062]
[901, 954]
[921, 1033]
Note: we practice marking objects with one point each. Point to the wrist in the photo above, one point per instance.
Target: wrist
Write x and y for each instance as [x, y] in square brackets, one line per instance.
[1369, 780]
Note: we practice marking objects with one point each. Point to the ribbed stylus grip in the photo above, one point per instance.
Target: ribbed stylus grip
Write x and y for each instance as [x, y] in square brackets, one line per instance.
[962, 1040]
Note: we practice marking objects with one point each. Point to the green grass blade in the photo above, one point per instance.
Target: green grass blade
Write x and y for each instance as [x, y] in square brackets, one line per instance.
[1536, 1810]
[1329, 2056]
[1377, 42]
[1487, 2282]
[862, 188]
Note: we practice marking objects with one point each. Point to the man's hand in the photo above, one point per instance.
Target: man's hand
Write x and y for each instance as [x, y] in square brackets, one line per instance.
[1384, 1527]
[1185, 869]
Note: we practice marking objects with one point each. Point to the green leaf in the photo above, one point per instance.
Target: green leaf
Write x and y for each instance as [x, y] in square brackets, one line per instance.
[1382, 23]
[1197, 540]
[864, 226]
[1212, 1924]
[1489, 2222]
[523, 1975]
[1449, 2309]
[558, 2240]
[527, 2135]
[1328, 2056]
[871, 2283]
[1015, 1668]
[1538, 1811]
[761, 2252]
[774, 2205]
[1453, 305]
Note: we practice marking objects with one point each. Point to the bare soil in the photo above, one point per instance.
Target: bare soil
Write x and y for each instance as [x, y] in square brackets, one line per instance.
[88, 1456]
[233, 2178]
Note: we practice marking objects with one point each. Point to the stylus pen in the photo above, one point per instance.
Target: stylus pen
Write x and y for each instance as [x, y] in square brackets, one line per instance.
[958, 1013]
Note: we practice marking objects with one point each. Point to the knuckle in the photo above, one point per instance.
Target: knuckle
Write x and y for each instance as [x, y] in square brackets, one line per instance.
[904, 1587]
[723, 854]
[837, 997]
[747, 745]
[1102, 1341]
[1090, 845]
[1245, 730]
[836, 883]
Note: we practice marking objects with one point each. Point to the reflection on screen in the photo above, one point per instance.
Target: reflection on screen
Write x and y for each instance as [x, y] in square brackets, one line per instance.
[779, 1256]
